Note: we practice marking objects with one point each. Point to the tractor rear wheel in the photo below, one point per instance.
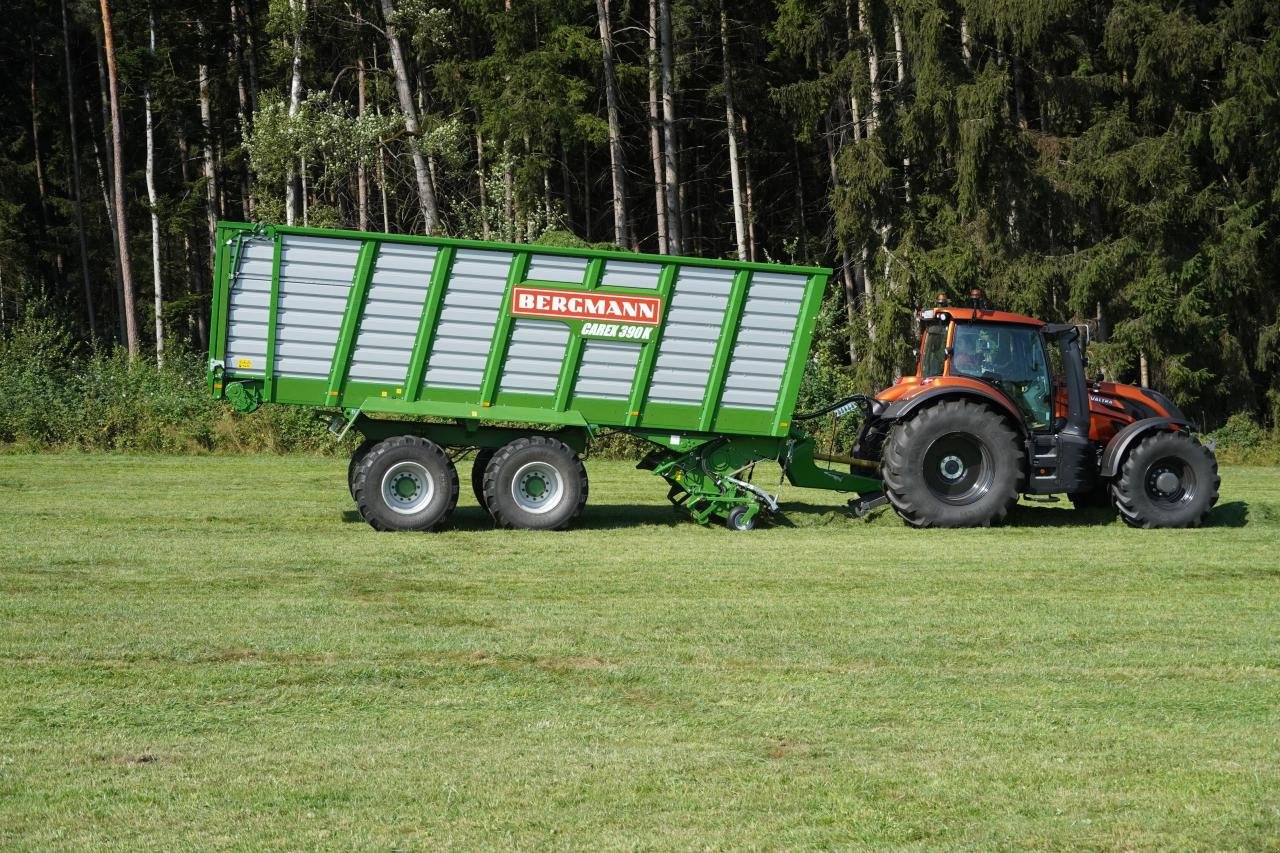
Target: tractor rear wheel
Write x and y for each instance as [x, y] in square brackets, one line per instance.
[956, 464]
[1168, 480]
[406, 483]
[483, 455]
[535, 483]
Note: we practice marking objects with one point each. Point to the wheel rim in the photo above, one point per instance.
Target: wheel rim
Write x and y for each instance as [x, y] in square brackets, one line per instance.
[1170, 481]
[407, 487]
[957, 468]
[537, 487]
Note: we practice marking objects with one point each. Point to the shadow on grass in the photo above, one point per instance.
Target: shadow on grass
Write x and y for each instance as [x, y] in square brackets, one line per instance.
[799, 514]
[594, 517]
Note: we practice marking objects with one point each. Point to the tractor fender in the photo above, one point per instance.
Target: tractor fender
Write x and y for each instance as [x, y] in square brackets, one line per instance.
[1124, 439]
[900, 409]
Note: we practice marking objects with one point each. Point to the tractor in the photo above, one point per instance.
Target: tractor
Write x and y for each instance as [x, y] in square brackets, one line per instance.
[1000, 406]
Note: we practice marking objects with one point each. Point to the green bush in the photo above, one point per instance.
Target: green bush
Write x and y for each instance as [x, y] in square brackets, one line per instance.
[1241, 440]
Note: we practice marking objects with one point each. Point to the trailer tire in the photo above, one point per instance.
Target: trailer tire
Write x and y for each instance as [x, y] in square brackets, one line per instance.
[357, 456]
[1167, 480]
[535, 483]
[956, 464]
[406, 483]
[478, 466]
[737, 520]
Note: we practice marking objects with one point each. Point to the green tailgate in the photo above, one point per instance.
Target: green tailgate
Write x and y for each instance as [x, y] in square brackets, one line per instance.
[409, 325]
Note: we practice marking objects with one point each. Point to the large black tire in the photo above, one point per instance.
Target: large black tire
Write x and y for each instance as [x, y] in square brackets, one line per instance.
[478, 465]
[535, 483]
[956, 464]
[357, 456]
[1167, 480]
[406, 483]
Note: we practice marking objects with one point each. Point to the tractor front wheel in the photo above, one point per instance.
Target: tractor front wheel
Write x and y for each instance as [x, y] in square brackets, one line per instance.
[956, 464]
[1168, 480]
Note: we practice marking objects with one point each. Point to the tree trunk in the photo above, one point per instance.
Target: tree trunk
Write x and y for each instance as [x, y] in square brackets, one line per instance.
[152, 199]
[298, 9]
[873, 64]
[731, 125]
[617, 158]
[210, 171]
[671, 178]
[117, 154]
[362, 176]
[750, 193]
[77, 200]
[655, 131]
[244, 112]
[104, 178]
[426, 193]
[480, 185]
[900, 57]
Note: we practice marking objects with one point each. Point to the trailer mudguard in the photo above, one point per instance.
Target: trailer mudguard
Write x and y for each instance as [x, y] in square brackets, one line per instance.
[1124, 439]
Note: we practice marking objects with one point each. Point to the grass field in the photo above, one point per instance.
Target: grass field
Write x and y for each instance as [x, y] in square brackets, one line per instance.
[217, 652]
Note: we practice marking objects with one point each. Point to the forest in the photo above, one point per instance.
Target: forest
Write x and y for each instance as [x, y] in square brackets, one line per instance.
[1110, 162]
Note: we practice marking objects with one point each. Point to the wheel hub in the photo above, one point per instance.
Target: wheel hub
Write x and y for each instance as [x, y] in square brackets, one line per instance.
[952, 468]
[537, 487]
[407, 487]
[1166, 482]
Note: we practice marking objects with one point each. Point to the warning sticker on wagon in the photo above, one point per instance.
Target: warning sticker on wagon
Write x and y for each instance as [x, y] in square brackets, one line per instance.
[244, 363]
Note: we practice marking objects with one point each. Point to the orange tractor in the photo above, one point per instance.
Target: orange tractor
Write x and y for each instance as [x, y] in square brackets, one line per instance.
[1000, 406]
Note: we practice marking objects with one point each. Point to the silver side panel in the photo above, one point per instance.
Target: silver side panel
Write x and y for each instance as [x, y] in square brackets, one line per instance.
[315, 278]
[556, 268]
[694, 317]
[468, 315]
[759, 358]
[638, 274]
[248, 305]
[534, 357]
[607, 370]
[394, 301]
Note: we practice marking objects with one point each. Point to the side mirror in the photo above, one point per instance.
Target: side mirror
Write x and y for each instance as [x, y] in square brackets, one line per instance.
[1098, 377]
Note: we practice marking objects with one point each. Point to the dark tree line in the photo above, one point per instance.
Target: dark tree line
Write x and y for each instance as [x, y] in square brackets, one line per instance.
[1112, 162]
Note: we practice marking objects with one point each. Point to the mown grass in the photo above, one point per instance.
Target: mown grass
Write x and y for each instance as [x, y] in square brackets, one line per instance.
[215, 652]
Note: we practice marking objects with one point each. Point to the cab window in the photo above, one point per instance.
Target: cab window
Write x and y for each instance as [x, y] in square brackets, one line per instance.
[1010, 357]
[934, 353]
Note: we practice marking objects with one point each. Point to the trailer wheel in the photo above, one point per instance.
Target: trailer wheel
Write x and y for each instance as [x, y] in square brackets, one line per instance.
[737, 520]
[535, 483]
[1168, 480]
[406, 483]
[357, 456]
[483, 455]
[956, 464]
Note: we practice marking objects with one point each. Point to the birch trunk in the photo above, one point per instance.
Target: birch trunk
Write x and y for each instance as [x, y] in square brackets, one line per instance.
[152, 199]
[210, 170]
[298, 8]
[617, 157]
[362, 175]
[117, 155]
[900, 56]
[77, 200]
[873, 64]
[426, 192]
[655, 131]
[731, 125]
[671, 177]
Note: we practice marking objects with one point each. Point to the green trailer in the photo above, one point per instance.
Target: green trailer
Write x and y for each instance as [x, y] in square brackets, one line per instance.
[433, 348]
